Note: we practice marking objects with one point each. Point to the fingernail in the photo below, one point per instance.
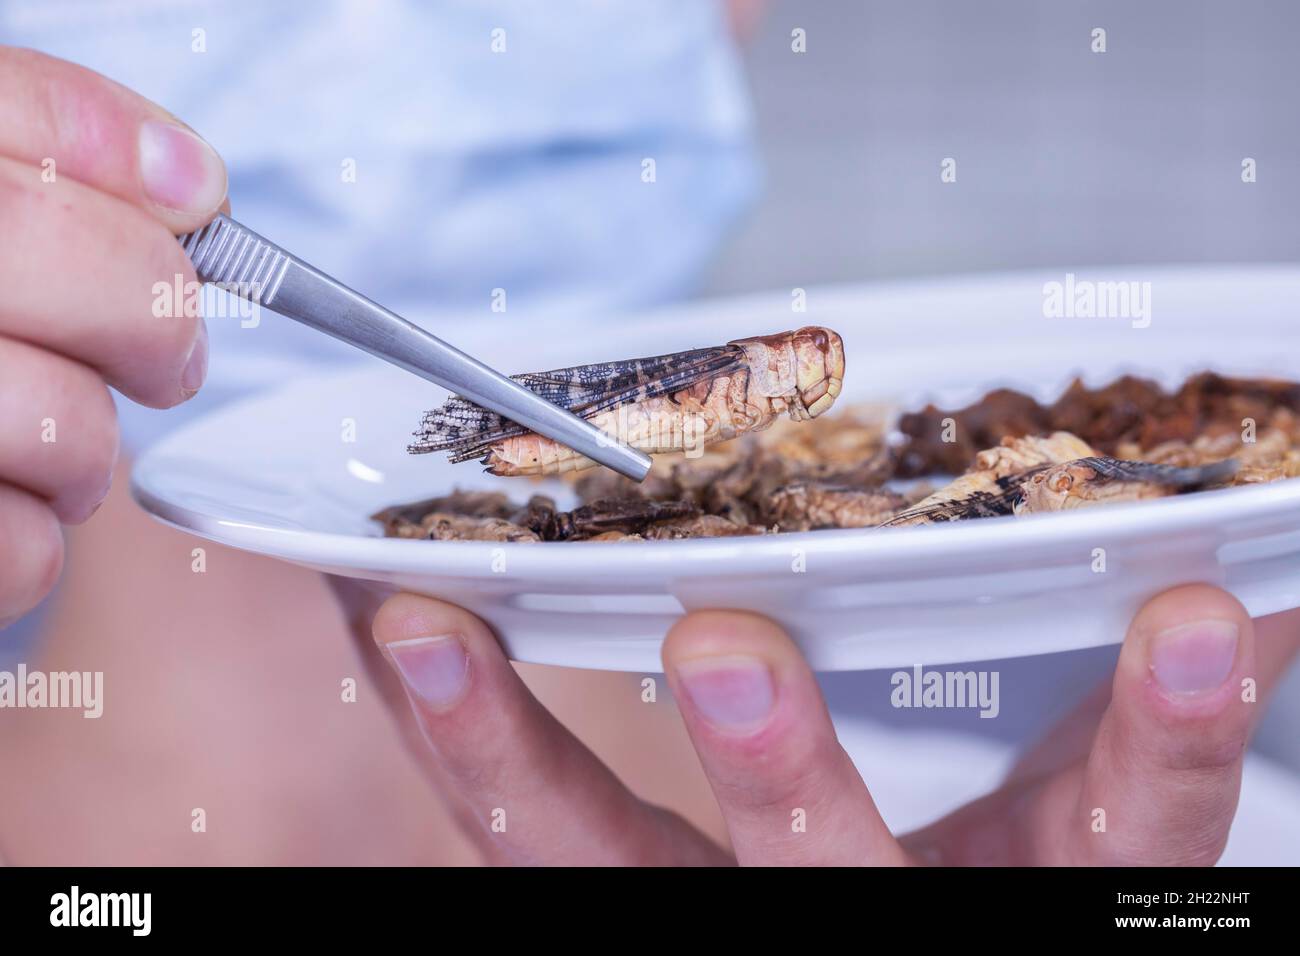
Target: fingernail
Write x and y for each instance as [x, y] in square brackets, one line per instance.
[180, 171]
[1194, 657]
[434, 669]
[732, 693]
[196, 366]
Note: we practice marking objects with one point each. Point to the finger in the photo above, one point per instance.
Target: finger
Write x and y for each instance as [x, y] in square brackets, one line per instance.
[1277, 643]
[98, 280]
[788, 791]
[360, 601]
[31, 552]
[1164, 772]
[537, 793]
[62, 119]
[59, 439]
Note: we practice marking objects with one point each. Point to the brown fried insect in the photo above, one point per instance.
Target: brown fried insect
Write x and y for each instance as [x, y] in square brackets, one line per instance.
[1101, 480]
[625, 515]
[482, 504]
[1270, 457]
[1284, 466]
[843, 470]
[678, 402]
[815, 505]
[439, 526]
[1132, 412]
[701, 526]
[992, 486]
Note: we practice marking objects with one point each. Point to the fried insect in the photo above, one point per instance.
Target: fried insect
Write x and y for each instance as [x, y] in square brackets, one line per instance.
[702, 526]
[440, 526]
[1284, 466]
[1271, 457]
[844, 470]
[620, 515]
[811, 506]
[489, 516]
[1126, 414]
[414, 520]
[992, 486]
[668, 403]
[1102, 480]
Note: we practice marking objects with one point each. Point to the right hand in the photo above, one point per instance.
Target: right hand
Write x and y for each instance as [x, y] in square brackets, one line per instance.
[1160, 749]
[95, 184]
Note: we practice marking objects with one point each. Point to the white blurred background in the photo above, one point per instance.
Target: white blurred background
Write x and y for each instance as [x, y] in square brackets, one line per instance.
[1064, 156]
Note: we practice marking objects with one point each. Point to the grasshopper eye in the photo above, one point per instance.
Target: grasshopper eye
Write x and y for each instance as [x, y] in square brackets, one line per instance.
[816, 335]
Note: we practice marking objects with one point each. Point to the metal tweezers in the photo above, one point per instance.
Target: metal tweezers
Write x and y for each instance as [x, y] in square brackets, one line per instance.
[237, 259]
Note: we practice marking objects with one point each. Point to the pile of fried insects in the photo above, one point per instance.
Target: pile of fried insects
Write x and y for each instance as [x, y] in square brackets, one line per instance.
[859, 468]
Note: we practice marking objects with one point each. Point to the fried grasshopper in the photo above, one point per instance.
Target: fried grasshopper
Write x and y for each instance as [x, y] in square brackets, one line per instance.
[1102, 480]
[1035, 475]
[679, 402]
[992, 486]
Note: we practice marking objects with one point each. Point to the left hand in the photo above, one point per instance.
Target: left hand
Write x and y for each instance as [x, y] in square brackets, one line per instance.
[1160, 751]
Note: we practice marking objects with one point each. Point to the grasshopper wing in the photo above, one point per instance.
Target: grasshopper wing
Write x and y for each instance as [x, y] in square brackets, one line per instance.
[979, 504]
[466, 430]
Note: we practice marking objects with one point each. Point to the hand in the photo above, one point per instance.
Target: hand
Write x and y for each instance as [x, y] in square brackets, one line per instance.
[95, 184]
[1160, 752]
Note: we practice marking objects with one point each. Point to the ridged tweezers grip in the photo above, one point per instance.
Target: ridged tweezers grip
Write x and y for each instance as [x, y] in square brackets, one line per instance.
[238, 259]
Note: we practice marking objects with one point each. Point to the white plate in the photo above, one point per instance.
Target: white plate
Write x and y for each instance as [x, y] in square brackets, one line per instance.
[274, 475]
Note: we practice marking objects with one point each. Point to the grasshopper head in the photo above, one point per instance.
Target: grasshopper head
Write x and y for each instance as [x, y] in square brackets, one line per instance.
[819, 367]
[808, 362]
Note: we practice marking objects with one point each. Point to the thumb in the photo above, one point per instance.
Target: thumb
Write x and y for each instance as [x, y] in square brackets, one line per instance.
[1162, 780]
